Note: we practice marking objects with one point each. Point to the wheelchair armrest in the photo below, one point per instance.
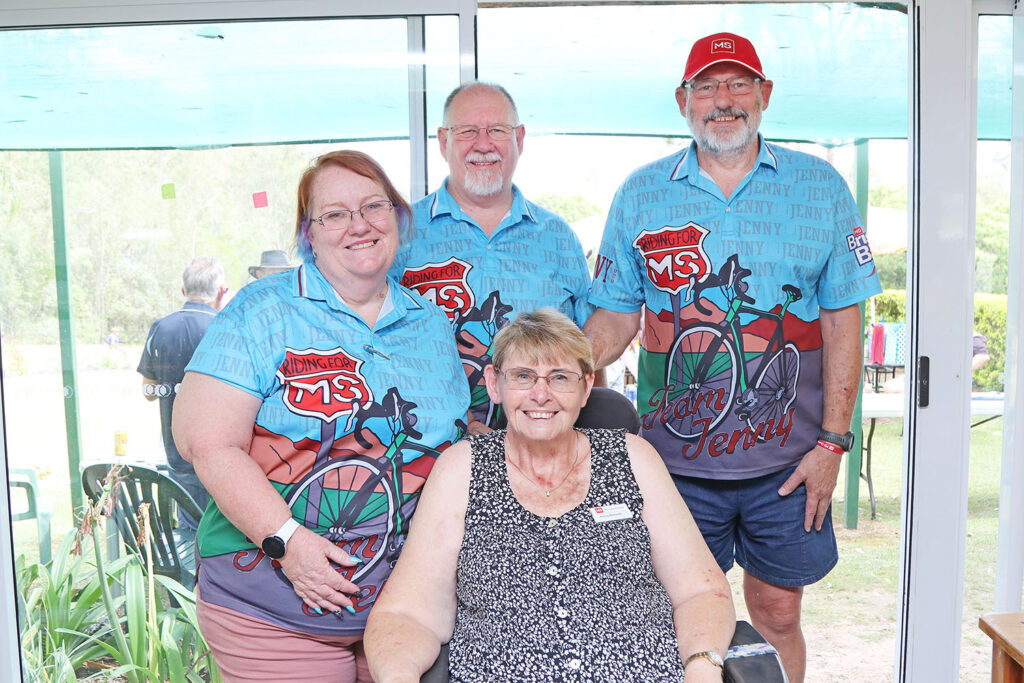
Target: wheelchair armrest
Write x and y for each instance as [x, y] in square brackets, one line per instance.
[752, 659]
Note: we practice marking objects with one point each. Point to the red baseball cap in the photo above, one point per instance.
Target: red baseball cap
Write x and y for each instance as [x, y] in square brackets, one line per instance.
[722, 47]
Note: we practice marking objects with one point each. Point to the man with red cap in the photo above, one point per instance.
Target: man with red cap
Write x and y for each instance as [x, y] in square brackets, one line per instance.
[746, 263]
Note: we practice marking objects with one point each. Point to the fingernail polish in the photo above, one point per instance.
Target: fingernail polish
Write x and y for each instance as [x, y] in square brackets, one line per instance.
[353, 558]
[351, 609]
[317, 610]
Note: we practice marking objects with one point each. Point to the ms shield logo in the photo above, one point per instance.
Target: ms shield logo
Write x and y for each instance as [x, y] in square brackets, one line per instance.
[674, 256]
[323, 384]
[722, 45]
[443, 284]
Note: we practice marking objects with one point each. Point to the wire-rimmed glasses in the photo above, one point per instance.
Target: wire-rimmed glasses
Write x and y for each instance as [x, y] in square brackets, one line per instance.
[339, 219]
[562, 381]
[499, 132]
[704, 88]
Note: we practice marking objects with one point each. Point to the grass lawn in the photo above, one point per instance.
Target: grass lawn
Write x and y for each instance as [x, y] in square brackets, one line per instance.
[861, 592]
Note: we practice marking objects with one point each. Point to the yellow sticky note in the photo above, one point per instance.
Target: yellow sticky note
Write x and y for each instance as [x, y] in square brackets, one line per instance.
[167, 190]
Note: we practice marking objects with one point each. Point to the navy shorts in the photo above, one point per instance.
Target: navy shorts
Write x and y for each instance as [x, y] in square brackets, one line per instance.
[748, 521]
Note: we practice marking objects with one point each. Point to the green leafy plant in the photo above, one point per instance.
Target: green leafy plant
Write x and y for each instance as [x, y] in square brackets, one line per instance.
[61, 607]
[989, 320]
[107, 618]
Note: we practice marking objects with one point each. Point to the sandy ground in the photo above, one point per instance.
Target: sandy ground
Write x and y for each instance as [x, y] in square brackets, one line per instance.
[851, 635]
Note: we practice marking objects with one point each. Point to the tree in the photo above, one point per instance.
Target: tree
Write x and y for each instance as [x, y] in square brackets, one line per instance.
[570, 207]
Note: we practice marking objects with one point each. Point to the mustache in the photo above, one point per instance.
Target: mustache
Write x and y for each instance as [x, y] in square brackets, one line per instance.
[734, 112]
[485, 157]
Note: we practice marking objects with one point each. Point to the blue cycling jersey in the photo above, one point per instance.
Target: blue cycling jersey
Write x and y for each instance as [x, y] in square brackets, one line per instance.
[730, 382]
[350, 423]
[532, 259]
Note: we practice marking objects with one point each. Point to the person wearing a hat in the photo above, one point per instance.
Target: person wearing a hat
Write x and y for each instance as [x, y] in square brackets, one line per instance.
[272, 261]
[746, 263]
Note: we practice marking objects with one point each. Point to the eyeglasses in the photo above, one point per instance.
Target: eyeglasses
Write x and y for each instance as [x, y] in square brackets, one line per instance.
[339, 219]
[708, 87]
[498, 132]
[562, 381]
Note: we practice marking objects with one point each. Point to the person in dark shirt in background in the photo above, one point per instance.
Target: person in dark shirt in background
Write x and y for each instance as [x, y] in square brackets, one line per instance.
[169, 347]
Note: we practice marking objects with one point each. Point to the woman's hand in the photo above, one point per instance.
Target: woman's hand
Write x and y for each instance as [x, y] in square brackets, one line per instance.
[308, 565]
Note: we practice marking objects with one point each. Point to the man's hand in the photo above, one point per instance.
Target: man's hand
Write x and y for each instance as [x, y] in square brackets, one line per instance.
[476, 428]
[307, 564]
[818, 471]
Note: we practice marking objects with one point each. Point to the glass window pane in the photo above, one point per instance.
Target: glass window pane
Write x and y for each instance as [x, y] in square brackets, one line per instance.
[988, 352]
[442, 76]
[199, 85]
[181, 140]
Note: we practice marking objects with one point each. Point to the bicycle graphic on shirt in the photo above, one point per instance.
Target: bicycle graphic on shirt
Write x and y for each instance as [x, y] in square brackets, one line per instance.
[707, 370]
[360, 495]
[492, 315]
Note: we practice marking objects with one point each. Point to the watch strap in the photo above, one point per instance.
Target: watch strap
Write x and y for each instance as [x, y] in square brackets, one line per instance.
[287, 529]
[710, 655]
[276, 545]
[844, 441]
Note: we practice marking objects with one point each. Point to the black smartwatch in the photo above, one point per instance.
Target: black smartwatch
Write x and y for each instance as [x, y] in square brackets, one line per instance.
[275, 545]
[844, 441]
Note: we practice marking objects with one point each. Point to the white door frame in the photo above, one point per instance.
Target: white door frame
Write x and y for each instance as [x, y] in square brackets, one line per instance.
[943, 134]
[940, 309]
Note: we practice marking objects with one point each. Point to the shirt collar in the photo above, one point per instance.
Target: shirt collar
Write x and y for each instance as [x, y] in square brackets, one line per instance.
[687, 166]
[198, 306]
[309, 283]
[442, 202]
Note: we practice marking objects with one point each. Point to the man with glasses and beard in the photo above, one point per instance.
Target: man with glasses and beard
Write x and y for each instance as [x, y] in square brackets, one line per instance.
[746, 263]
[481, 250]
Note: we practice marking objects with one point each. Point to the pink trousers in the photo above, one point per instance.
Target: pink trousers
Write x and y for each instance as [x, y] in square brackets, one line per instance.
[250, 649]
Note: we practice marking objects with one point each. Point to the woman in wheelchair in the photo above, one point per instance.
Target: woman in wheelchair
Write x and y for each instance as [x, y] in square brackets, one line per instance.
[543, 552]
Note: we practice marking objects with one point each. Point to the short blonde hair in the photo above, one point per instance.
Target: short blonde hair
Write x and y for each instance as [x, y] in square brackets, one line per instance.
[544, 334]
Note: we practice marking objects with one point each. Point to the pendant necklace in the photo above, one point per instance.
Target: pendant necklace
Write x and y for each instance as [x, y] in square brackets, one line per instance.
[547, 492]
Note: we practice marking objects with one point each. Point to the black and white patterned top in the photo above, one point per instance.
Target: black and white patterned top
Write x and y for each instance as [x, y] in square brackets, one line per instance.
[559, 598]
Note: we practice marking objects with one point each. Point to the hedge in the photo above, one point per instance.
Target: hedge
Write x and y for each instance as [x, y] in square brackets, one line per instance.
[989, 320]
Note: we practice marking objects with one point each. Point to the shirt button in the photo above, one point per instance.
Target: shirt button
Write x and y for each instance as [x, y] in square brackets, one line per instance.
[488, 246]
[574, 664]
[727, 210]
[552, 523]
[552, 570]
[562, 613]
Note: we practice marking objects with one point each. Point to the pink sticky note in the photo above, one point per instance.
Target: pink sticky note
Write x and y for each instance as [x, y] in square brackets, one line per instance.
[259, 200]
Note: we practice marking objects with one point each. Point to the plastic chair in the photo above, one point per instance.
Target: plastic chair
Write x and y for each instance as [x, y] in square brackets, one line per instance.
[172, 552]
[37, 508]
[751, 659]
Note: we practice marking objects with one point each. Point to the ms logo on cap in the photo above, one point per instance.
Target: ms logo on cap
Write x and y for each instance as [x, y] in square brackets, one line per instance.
[722, 45]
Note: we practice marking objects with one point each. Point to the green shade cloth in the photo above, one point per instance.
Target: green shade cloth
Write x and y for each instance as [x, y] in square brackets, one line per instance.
[840, 73]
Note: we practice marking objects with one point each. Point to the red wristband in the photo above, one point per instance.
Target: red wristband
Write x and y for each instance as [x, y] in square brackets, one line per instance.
[838, 450]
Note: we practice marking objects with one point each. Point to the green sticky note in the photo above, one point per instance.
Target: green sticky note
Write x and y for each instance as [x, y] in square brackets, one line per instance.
[167, 190]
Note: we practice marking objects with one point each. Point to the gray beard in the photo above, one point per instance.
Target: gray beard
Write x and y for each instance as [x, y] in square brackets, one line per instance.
[483, 184]
[724, 146]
